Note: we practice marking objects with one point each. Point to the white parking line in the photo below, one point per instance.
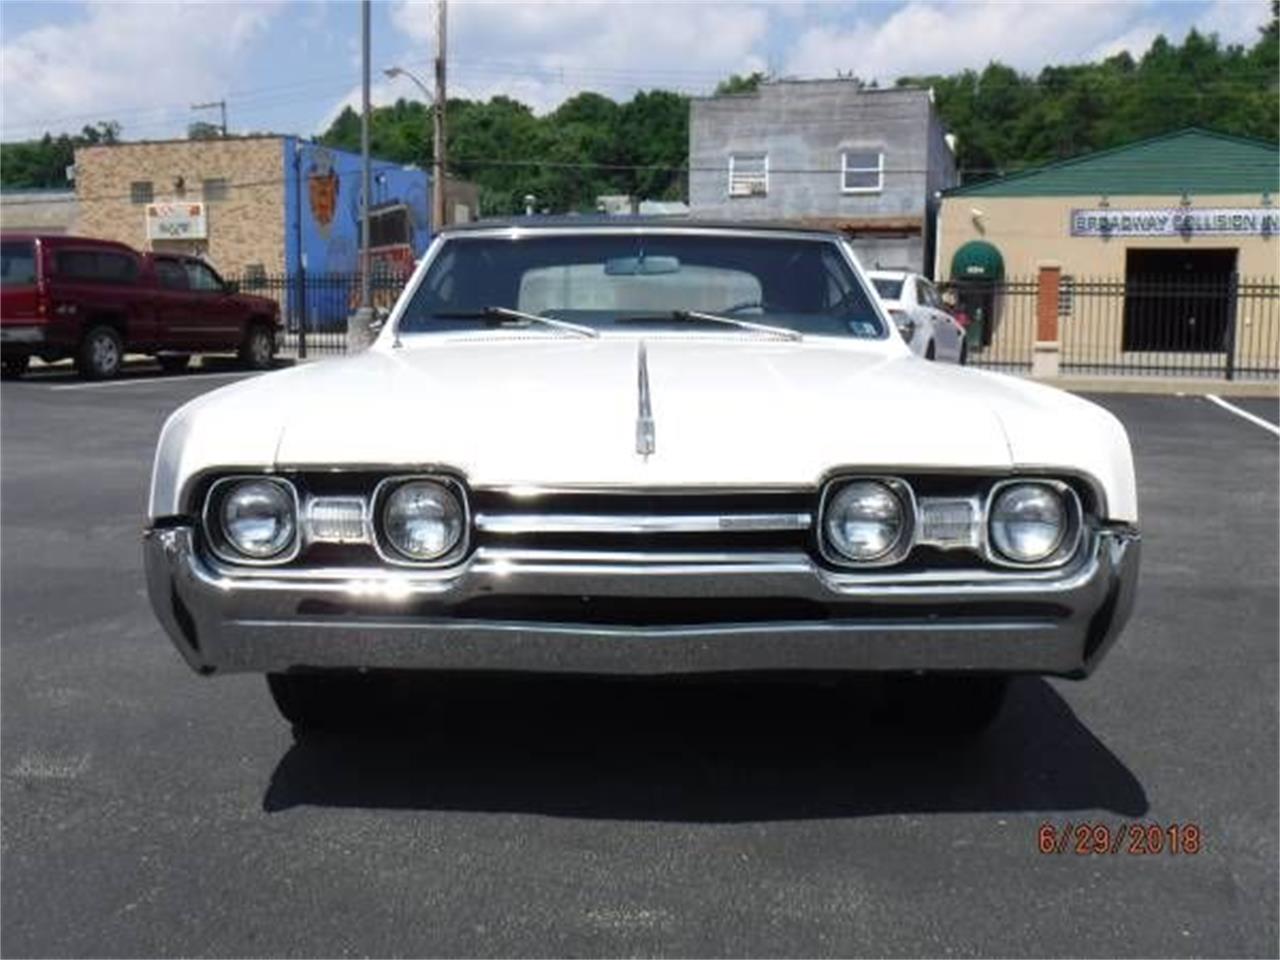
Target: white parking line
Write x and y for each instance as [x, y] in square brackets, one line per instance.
[1244, 413]
[142, 381]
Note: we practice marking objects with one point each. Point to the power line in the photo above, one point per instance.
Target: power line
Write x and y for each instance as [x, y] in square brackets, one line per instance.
[634, 78]
[676, 169]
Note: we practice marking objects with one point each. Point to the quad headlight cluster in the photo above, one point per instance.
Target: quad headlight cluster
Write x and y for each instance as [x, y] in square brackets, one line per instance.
[876, 521]
[407, 520]
[871, 521]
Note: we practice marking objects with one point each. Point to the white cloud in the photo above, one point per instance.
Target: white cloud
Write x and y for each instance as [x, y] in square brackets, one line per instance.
[1235, 21]
[927, 36]
[543, 52]
[142, 64]
[942, 38]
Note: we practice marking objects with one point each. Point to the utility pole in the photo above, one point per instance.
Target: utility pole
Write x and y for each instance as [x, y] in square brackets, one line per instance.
[438, 217]
[221, 105]
[358, 330]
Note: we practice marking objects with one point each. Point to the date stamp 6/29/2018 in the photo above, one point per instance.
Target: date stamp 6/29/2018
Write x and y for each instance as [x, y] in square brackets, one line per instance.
[1114, 839]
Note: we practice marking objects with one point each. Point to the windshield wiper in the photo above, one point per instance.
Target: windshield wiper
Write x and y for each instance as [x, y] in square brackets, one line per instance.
[506, 313]
[697, 315]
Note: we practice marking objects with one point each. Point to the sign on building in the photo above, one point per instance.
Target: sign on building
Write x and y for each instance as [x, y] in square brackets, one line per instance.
[1176, 222]
[179, 220]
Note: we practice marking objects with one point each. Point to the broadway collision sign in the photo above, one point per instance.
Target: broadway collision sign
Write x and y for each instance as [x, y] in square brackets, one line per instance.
[1176, 222]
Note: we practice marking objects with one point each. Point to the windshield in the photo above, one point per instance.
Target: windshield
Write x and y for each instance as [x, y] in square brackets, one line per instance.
[888, 289]
[17, 263]
[630, 282]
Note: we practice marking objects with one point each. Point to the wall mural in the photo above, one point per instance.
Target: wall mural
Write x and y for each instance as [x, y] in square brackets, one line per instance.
[328, 225]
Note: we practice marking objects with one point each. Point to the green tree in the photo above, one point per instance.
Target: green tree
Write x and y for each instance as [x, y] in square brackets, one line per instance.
[43, 163]
[203, 130]
[740, 84]
[1004, 120]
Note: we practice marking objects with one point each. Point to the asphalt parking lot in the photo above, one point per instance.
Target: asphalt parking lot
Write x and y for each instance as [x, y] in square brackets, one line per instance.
[149, 811]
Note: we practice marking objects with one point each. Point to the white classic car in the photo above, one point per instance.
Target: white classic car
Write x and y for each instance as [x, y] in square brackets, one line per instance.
[640, 448]
[917, 310]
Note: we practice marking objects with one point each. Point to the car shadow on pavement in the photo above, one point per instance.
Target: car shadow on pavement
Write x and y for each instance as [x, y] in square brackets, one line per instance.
[699, 752]
[64, 372]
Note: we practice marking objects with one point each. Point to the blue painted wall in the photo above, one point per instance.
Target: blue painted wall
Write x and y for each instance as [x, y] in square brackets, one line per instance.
[322, 224]
[330, 205]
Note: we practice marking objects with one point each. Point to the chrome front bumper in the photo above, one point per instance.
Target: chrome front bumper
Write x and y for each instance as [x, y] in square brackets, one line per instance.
[1053, 622]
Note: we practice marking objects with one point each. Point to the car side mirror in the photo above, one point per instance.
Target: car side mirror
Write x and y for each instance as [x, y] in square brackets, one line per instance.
[231, 286]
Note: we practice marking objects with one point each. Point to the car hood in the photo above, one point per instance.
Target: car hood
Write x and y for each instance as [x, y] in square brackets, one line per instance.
[728, 410]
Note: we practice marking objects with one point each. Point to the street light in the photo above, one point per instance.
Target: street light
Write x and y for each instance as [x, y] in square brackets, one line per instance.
[393, 72]
[437, 148]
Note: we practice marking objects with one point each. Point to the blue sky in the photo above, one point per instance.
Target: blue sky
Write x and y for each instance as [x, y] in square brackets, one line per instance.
[290, 66]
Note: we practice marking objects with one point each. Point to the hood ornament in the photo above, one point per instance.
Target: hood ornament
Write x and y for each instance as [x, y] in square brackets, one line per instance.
[645, 443]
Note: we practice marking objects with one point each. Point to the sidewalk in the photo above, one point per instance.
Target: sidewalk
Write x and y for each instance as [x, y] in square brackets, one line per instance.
[1163, 385]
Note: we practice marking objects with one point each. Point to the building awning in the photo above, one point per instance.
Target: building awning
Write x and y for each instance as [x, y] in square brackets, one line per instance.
[977, 260]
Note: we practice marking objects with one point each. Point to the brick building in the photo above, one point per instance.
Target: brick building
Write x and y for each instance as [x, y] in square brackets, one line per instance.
[255, 205]
[118, 184]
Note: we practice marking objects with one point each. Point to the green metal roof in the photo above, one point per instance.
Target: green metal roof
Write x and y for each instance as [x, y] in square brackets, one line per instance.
[977, 260]
[1191, 160]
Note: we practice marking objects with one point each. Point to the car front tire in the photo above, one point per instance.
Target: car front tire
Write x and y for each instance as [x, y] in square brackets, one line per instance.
[962, 707]
[101, 354]
[335, 702]
[258, 348]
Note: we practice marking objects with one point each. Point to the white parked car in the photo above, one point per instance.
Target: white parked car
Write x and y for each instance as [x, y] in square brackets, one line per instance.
[918, 312]
[640, 449]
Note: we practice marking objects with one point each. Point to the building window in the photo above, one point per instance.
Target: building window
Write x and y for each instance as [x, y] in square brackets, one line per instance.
[140, 191]
[215, 190]
[748, 174]
[862, 171]
[390, 227]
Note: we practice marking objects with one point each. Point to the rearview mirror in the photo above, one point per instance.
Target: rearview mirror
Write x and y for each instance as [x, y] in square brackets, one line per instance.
[640, 266]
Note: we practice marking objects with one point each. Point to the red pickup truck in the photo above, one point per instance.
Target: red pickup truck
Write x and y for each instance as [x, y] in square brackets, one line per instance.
[96, 300]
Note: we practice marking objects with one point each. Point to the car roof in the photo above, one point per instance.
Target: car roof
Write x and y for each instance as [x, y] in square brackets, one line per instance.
[890, 274]
[58, 239]
[596, 223]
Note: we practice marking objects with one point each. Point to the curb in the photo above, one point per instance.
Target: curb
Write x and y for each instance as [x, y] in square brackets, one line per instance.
[1164, 385]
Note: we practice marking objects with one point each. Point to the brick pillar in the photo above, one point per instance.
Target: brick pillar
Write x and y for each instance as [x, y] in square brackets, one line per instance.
[1047, 349]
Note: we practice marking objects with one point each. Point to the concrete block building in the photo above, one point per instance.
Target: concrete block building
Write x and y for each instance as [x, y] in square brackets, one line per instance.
[828, 153]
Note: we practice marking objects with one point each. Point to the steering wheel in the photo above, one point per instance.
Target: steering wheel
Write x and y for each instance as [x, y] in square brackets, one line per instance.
[739, 307]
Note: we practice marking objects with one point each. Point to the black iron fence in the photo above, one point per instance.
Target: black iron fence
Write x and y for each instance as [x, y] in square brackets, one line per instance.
[317, 307]
[1001, 321]
[1225, 326]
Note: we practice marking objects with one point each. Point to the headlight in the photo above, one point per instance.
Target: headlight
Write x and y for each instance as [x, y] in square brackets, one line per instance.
[258, 518]
[1028, 522]
[422, 520]
[866, 520]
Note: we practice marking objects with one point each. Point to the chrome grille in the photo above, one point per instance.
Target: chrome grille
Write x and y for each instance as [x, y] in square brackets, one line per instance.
[628, 521]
